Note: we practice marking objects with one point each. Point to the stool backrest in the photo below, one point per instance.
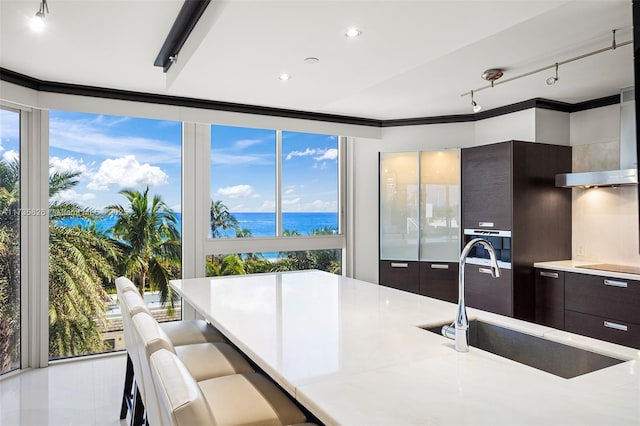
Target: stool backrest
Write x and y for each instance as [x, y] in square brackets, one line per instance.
[130, 304]
[151, 338]
[180, 400]
[124, 284]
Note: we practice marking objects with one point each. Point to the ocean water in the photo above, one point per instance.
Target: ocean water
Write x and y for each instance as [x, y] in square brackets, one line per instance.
[260, 224]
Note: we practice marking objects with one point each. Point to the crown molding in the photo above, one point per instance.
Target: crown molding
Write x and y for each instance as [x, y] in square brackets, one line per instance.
[126, 95]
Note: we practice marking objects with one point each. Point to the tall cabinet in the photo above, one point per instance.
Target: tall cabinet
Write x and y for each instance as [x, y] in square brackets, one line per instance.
[420, 222]
[509, 196]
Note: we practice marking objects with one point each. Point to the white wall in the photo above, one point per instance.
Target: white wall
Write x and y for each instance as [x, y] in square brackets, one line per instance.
[518, 126]
[605, 220]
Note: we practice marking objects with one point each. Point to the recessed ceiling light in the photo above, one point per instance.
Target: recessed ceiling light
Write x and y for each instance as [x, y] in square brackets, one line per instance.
[311, 60]
[353, 32]
[284, 77]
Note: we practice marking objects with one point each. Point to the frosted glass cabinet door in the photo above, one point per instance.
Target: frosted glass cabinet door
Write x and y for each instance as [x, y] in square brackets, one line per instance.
[440, 206]
[399, 228]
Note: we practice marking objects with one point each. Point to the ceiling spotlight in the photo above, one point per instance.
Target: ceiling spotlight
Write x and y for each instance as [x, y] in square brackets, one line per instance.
[552, 80]
[353, 33]
[37, 22]
[474, 104]
[492, 75]
[311, 60]
[284, 77]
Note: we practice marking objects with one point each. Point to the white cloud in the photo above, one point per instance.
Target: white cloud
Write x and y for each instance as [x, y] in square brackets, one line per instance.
[10, 156]
[329, 154]
[322, 206]
[219, 157]
[67, 164]
[320, 166]
[90, 137]
[236, 191]
[267, 206]
[72, 195]
[319, 154]
[291, 202]
[246, 143]
[289, 191]
[304, 153]
[126, 172]
[296, 205]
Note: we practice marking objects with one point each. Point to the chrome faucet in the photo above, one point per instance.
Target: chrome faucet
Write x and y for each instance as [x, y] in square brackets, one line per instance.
[459, 332]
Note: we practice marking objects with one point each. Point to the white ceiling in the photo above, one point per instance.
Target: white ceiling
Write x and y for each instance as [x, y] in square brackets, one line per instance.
[413, 59]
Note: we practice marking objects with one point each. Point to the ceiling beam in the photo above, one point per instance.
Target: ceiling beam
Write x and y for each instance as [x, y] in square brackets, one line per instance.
[185, 22]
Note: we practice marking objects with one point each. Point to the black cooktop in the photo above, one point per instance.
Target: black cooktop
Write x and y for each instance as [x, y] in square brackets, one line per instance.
[625, 269]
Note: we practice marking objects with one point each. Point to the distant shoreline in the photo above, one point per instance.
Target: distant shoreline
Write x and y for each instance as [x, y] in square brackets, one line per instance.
[260, 224]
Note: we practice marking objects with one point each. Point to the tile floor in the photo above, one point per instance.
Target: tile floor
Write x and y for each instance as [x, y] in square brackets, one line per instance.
[81, 392]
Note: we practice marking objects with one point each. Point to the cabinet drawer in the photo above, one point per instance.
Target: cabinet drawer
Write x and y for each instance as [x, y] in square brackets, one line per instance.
[620, 332]
[439, 280]
[549, 298]
[601, 296]
[488, 293]
[400, 274]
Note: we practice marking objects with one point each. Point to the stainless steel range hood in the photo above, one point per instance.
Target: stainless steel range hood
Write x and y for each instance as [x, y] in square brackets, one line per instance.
[593, 179]
[628, 172]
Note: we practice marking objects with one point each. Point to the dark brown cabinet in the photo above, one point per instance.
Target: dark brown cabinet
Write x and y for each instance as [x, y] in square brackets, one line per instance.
[550, 298]
[488, 293]
[400, 274]
[510, 186]
[486, 186]
[605, 308]
[433, 279]
[439, 280]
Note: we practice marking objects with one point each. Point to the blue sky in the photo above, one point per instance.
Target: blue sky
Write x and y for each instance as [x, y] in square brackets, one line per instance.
[243, 170]
[9, 135]
[114, 153]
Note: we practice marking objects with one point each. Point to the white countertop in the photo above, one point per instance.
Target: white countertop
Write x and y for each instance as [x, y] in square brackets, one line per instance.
[575, 266]
[352, 353]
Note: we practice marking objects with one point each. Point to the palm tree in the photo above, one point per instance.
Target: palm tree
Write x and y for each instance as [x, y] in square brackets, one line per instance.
[80, 261]
[221, 219]
[9, 266]
[147, 231]
[230, 264]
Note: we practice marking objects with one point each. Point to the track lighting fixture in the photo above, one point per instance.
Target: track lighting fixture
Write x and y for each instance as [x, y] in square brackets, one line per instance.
[493, 74]
[552, 80]
[474, 104]
[37, 22]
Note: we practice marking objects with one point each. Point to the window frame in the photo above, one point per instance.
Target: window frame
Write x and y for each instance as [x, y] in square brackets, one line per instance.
[221, 246]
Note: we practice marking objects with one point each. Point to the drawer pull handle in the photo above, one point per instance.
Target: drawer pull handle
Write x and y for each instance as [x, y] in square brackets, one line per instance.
[615, 326]
[484, 270]
[549, 274]
[439, 266]
[485, 224]
[399, 265]
[614, 283]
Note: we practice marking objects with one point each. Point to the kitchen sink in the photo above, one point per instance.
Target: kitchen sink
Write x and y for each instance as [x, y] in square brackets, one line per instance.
[553, 357]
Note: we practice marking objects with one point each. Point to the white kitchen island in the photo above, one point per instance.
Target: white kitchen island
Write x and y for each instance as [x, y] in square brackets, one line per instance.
[353, 353]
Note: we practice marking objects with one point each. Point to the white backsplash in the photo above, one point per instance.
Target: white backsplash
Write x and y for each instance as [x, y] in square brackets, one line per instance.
[605, 220]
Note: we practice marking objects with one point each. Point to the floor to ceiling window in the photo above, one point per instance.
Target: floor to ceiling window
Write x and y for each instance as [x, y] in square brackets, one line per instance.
[115, 201]
[10, 214]
[269, 183]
